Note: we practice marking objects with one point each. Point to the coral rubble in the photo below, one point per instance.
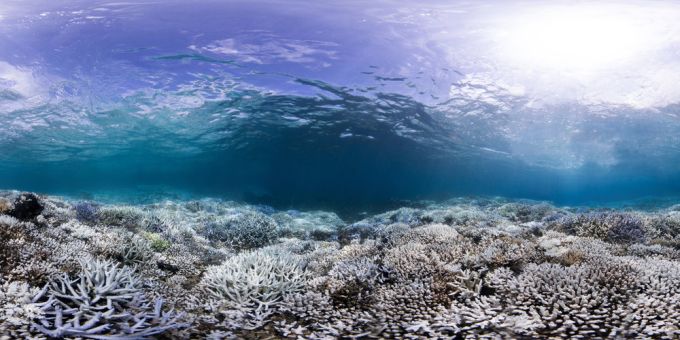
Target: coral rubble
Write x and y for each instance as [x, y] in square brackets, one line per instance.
[464, 268]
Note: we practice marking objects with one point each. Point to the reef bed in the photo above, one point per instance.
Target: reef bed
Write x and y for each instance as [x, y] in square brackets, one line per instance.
[464, 268]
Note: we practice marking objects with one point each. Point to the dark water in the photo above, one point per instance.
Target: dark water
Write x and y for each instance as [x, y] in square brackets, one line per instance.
[336, 106]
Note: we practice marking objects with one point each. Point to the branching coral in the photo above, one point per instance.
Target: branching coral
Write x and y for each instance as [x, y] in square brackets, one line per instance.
[602, 298]
[103, 301]
[86, 211]
[612, 227]
[8, 221]
[465, 268]
[17, 310]
[524, 212]
[22, 255]
[122, 216]
[664, 228]
[317, 224]
[244, 230]
[249, 287]
[137, 251]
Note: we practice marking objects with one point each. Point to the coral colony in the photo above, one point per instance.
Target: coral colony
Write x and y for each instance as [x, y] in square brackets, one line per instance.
[466, 268]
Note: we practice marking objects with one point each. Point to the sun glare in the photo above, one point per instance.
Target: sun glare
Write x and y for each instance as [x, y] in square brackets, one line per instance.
[573, 39]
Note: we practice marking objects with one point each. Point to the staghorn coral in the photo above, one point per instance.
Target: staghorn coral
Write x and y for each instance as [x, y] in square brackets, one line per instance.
[464, 268]
[461, 215]
[526, 212]
[400, 286]
[573, 301]
[245, 230]
[86, 211]
[8, 221]
[57, 211]
[137, 251]
[320, 225]
[408, 216]
[664, 228]
[612, 227]
[17, 310]
[247, 288]
[600, 298]
[104, 301]
[22, 255]
[121, 216]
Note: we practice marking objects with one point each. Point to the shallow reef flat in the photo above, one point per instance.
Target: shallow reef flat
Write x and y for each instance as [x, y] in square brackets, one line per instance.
[213, 269]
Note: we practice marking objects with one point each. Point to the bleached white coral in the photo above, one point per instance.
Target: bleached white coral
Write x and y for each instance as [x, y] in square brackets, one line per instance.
[315, 224]
[251, 285]
[242, 230]
[452, 270]
[123, 216]
[8, 220]
[104, 301]
[79, 230]
[17, 310]
[600, 298]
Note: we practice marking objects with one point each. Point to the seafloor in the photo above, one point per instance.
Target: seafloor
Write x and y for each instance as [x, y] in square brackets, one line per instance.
[464, 268]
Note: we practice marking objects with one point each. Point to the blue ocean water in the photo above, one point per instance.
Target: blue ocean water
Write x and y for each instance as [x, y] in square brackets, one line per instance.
[385, 169]
[345, 106]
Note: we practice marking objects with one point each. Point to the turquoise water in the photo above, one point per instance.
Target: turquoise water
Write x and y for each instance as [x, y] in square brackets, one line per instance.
[340, 106]
[388, 169]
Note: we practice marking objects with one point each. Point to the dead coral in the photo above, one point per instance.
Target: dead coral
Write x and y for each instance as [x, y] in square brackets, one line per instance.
[245, 230]
[525, 212]
[26, 207]
[128, 217]
[612, 227]
[466, 268]
[17, 310]
[247, 288]
[595, 299]
[5, 206]
[318, 225]
[104, 300]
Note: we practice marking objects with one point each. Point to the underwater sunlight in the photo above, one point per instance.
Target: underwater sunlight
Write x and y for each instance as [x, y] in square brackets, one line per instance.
[390, 169]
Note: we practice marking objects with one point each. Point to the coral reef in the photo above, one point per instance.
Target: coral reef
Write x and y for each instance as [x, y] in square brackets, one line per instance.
[86, 211]
[318, 225]
[6, 205]
[242, 230]
[463, 268]
[614, 227]
[102, 301]
[247, 288]
[18, 309]
[27, 206]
